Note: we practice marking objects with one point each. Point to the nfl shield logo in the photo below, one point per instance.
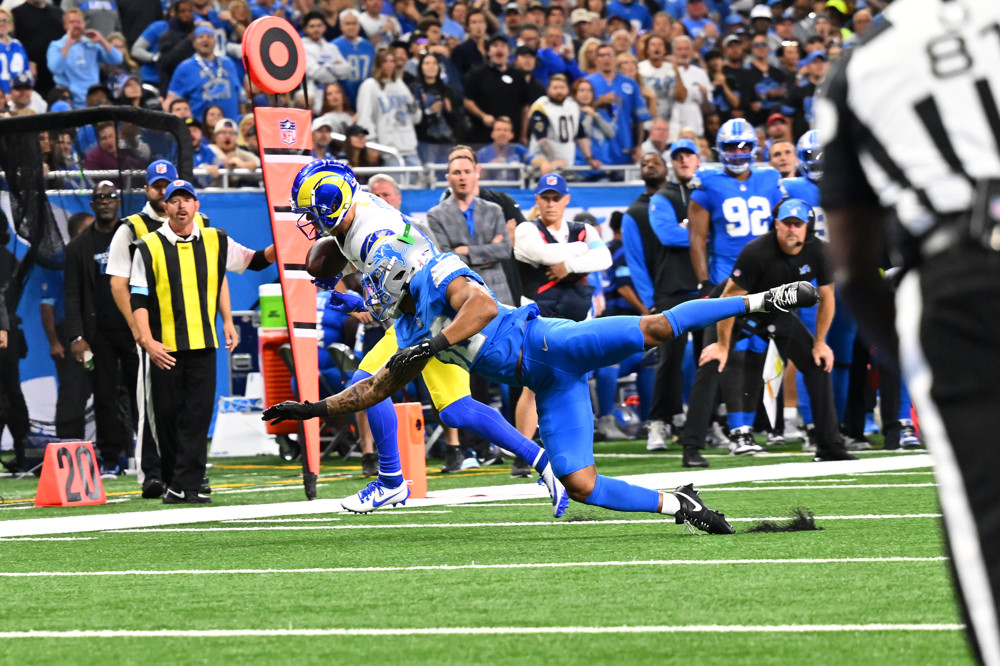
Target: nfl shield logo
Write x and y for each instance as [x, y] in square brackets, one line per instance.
[288, 134]
[161, 168]
[551, 180]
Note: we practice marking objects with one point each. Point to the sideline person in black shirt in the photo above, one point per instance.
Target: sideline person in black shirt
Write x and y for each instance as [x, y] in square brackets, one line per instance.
[785, 253]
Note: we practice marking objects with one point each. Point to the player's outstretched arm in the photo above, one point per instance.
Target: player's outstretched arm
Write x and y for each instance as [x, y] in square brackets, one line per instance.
[355, 398]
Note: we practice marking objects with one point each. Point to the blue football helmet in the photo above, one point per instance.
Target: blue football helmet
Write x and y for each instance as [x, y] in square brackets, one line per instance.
[387, 273]
[322, 192]
[734, 139]
[810, 154]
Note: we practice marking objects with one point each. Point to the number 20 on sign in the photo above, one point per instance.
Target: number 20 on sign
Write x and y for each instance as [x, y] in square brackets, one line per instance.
[70, 476]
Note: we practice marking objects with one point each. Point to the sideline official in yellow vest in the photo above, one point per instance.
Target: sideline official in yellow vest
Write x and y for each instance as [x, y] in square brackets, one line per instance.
[159, 175]
[178, 274]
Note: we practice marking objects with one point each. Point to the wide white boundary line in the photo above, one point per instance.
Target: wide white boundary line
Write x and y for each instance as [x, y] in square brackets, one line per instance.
[482, 631]
[180, 516]
[459, 567]
[532, 523]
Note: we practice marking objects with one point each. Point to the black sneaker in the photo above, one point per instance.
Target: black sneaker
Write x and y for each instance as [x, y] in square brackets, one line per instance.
[152, 488]
[452, 459]
[692, 457]
[790, 296]
[369, 464]
[205, 488]
[185, 497]
[693, 512]
[520, 468]
[828, 455]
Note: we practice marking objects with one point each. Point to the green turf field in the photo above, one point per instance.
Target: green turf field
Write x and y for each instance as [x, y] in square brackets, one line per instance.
[490, 582]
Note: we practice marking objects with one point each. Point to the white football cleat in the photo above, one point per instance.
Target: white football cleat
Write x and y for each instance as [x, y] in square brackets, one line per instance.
[560, 500]
[375, 496]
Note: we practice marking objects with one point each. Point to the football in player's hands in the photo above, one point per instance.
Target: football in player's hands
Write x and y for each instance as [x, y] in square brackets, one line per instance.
[325, 259]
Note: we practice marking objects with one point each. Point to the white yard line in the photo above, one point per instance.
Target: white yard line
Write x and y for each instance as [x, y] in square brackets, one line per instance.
[664, 481]
[458, 567]
[486, 631]
[533, 523]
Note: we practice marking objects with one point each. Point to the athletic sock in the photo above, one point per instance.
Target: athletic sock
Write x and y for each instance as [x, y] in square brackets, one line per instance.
[619, 495]
[671, 505]
[697, 314]
[490, 425]
[382, 421]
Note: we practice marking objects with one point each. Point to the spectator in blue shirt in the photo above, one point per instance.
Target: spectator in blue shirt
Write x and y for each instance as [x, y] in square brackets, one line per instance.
[75, 59]
[205, 79]
[633, 12]
[358, 51]
[619, 102]
[12, 53]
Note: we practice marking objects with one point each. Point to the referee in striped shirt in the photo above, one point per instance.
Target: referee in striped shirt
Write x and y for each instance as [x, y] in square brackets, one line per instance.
[911, 128]
[178, 273]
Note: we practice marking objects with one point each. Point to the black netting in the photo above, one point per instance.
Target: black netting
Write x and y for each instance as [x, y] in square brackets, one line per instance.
[52, 161]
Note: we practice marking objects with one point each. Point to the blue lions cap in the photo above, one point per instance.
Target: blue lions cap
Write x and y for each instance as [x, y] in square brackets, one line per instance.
[204, 29]
[178, 185]
[553, 182]
[794, 208]
[683, 144]
[160, 170]
[812, 57]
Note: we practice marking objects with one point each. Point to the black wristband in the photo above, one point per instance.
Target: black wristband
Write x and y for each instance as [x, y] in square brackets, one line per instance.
[439, 342]
[317, 408]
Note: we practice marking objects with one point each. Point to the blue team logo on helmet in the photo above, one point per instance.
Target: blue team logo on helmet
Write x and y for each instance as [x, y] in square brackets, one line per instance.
[322, 192]
[737, 145]
[387, 273]
[810, 154]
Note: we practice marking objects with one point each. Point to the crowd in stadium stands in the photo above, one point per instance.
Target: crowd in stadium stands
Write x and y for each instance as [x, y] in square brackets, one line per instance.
[581, 88]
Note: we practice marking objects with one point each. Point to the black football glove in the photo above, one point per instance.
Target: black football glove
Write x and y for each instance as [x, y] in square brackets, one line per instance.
[705, 288]
[294, 411]
[420, 353]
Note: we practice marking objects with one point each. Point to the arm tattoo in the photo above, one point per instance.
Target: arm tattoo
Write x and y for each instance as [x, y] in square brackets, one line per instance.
[370, 391]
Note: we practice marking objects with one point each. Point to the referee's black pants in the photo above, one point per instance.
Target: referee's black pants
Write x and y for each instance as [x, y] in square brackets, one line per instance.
[742, 378]
[183, 401]
[949, 323]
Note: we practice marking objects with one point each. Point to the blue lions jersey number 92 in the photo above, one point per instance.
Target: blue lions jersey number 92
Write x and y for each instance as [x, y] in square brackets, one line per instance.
[747, 216]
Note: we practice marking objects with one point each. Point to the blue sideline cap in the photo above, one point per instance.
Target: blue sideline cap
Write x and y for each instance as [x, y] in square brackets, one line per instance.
[160, 170]
[812, 57]
[553, 182]
[179, 185]
[794, 208]
[204, 29]
[683, 144]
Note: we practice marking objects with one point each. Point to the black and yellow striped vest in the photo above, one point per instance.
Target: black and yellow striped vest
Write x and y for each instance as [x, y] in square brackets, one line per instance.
[184, 281]
[142, 224]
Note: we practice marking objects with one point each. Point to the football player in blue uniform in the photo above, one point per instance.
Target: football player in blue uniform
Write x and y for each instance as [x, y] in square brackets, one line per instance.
[730, 206]
[806, 187]
[444, 311]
